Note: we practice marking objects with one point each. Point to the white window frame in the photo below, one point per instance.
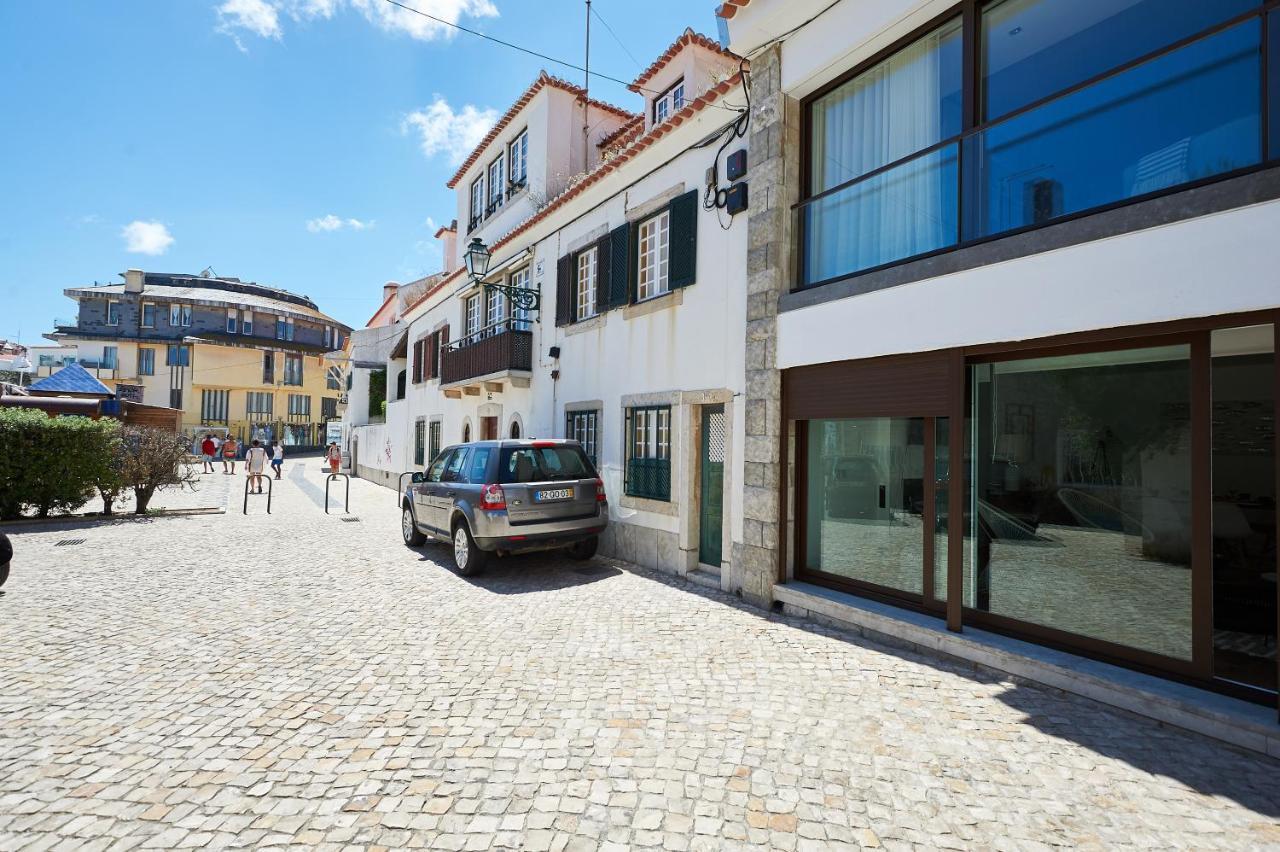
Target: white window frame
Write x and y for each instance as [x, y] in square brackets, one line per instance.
[142, 317]
[669, 102]
[477, 199]
[495, 310]
[519, 316]
[147, 358]
[497, 169]
[289, 374]
[328, 336]
[113, 303]
[233, 320]
[653, 257]
[585, 297]
[518, 156]
[179, 315]
[471, 317]
[246, 322]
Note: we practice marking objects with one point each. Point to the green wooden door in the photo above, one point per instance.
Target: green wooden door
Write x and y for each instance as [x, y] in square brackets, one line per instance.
[711, 525]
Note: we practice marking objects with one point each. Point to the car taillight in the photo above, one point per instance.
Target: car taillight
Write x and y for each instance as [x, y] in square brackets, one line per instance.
[600, 496]
[492, 498]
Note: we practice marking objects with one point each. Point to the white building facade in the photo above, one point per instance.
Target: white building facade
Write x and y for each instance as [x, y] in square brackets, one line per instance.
[636, 347]
[1020, 306]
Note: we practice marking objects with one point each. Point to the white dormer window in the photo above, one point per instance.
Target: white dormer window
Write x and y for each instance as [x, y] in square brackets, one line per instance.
[496, 173]
[518, 159]
[668, 103]
[477, 201]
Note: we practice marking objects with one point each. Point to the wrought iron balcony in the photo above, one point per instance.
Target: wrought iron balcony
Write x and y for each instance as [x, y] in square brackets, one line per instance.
[507, 345]
[515, 187]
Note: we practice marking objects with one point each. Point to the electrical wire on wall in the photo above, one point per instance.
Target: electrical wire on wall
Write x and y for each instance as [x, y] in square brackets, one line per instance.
[714, 197]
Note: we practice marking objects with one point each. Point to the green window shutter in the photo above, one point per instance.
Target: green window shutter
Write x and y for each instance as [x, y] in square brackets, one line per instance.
[619, 266]
[564, 290]
[604, 273]
[684, 240]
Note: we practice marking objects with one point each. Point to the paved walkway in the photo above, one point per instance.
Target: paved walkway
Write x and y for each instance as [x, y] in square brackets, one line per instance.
[242, 681]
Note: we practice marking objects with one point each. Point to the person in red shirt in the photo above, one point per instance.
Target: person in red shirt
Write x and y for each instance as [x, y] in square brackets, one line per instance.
[334, 455]
[209, 450]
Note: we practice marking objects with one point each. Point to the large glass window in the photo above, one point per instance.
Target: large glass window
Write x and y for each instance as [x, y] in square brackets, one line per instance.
[1034, 48]
[864, 498]
[1080, 514]
[895, 169]
[1184, 116]
[904, 104]
[1244, 505]
[908, 210]
[653, 273]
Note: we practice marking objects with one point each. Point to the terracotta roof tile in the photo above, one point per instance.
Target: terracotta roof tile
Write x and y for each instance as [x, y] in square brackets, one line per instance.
[544, 79]
[632, 128]
[730, 8]
[686, 38]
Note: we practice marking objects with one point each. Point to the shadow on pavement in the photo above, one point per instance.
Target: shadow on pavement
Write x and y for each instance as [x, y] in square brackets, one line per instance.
[524, 574]
[1208, 766]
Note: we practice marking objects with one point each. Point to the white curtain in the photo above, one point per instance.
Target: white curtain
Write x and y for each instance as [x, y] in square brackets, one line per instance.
[883, 115]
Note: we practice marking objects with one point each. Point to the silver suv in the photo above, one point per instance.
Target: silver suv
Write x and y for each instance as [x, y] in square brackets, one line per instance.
[506, 497]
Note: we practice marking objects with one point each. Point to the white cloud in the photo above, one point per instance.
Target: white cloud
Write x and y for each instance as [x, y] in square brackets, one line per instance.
[255, 16]
[431, 225]
[441, 130]
[334, 223]
[262, 17]
[146, 237]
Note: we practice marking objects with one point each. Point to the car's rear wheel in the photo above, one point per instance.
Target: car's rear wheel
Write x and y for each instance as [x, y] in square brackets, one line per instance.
[412, 536]
[466, 556]
[583, 550]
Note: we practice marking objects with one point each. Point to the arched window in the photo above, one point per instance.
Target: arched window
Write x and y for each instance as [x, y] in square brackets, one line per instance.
[515, 428]
[466, 433]
[400, 385]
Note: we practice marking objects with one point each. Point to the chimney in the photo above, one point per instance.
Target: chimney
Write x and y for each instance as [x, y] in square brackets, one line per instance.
[133, 281]
[448, 237]
[389, 289]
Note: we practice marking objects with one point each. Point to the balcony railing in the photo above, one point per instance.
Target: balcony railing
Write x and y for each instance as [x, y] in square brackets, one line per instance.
[507, 345]
[1185, 116]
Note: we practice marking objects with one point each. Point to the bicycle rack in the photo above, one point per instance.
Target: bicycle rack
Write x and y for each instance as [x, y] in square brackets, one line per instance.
[400, 485]
[248, 480]
[347, 500]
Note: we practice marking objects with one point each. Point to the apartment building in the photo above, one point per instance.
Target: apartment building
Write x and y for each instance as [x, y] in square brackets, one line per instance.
[1021, 306]
[235, 357]
[619, 309]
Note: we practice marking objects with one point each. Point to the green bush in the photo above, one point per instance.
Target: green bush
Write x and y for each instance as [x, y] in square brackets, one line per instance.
[52, 463]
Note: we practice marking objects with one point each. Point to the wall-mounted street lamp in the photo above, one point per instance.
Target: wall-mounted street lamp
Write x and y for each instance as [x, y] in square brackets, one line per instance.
[477, 258]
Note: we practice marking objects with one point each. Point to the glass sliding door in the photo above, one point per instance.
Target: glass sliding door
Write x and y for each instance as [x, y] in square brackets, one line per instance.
[864, 501]
[1243, 383]
[1080, 508]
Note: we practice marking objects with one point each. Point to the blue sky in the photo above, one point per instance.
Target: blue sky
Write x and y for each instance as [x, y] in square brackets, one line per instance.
[303, 144]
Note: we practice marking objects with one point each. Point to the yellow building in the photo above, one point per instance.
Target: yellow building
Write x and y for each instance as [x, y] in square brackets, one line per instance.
[236, 357]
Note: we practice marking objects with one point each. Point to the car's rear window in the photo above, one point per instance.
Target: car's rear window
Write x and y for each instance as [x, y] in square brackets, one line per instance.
[544, 464]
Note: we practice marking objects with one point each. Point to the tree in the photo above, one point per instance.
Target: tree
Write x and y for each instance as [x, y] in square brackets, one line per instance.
[109, 482]
[153, 459]
[377, 394]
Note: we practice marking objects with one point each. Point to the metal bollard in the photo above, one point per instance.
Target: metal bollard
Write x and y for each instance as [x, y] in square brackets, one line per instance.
[270, 490]
[346, 501]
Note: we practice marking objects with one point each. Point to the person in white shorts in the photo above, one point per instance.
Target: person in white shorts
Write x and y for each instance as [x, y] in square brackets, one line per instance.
[255, 465]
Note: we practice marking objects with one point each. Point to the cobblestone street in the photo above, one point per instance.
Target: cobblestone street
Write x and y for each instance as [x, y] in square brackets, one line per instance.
[232, 681]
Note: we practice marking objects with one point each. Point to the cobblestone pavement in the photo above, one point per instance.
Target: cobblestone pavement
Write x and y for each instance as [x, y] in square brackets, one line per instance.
[231, 681]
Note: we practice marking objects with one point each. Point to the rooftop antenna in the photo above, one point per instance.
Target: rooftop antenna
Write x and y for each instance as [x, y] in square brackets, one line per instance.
[208, 272]
[586, 95]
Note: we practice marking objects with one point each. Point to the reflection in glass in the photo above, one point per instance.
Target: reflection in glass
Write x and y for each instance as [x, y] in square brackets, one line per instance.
[942, 481]
[1188, 115]
[1032, 49]
[1081, 510]
[905, 104]
[865, 501]
[1244, 506]
[908, 210]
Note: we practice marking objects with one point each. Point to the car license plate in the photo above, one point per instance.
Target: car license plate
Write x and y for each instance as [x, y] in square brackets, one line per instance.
[553, 494]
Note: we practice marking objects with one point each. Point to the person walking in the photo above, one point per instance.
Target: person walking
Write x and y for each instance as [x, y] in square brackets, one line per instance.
[277, 457]
[229, 455]
[255, 465]
[209, 450]
[334, 455]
